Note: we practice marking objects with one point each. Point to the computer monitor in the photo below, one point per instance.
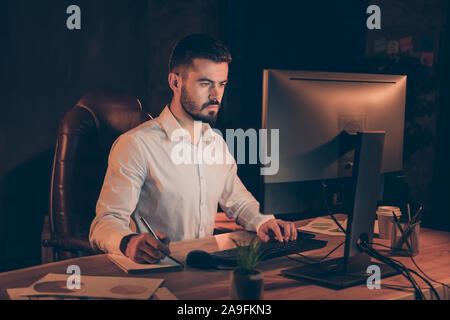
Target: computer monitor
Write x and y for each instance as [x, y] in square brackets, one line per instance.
[335, 125]
[313, 112]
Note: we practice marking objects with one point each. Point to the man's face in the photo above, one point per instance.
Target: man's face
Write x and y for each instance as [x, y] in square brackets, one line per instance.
[202, 89]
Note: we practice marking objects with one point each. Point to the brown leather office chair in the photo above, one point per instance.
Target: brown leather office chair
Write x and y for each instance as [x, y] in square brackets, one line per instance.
[85, 136]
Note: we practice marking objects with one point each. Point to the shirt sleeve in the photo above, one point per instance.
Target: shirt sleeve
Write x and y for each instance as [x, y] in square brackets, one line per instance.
[119, 195]
[239, 203]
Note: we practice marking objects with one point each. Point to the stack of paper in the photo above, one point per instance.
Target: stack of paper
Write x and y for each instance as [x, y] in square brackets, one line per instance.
[56, 286]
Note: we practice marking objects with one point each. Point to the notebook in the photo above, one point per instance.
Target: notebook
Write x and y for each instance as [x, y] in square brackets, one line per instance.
[132, 267]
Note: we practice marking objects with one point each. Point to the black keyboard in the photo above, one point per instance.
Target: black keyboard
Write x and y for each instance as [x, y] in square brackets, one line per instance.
[274, 249]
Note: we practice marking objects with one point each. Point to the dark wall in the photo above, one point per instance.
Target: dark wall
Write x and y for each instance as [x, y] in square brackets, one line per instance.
[45, 68]
[169, 21]
[440, 188]
[124, 45]
[426, 118]
[303, 35]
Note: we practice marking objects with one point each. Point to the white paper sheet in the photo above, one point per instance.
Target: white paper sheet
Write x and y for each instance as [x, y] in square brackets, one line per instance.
[55, 285]
[329, 227]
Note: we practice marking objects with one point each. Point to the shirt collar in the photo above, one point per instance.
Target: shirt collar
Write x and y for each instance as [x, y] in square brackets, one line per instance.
[169, 124]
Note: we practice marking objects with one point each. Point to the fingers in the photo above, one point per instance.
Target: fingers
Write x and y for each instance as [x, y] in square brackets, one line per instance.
[163, 238]
[151, 251]
[144, 248]
[268, 227]
[293, 231]
[155, 244]
[278, 228]
[143, 257]
[289, 229]
[263, 235]
[286, 230]
[272, 226]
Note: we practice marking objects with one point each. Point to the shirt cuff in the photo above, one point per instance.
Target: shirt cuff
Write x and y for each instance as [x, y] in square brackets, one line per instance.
[112, 244]
[257, 221]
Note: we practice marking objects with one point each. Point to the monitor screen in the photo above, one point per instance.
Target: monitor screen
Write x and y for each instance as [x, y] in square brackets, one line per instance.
[315, 112]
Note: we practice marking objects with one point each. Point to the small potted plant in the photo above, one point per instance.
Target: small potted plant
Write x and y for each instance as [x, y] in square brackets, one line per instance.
[246, 280]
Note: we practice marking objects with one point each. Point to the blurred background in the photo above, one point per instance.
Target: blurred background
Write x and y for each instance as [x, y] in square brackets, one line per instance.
[124, 45]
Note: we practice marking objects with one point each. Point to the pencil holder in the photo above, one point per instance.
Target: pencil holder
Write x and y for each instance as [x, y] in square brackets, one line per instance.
[405, 239]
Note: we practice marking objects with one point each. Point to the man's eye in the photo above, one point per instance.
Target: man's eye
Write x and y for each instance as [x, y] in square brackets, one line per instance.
[204, 84]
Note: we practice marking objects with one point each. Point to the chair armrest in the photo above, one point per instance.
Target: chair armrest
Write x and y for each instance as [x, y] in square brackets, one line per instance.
[70, 244]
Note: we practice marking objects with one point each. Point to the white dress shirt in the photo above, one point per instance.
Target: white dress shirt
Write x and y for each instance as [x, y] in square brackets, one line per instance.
[145, 178]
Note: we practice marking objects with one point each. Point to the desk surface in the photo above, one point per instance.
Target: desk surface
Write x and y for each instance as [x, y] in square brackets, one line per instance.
[434, 259]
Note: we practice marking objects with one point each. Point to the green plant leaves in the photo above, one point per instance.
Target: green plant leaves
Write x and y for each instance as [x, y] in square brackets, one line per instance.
[248, 254]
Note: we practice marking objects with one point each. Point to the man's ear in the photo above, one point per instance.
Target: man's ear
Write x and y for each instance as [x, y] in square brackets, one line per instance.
[174, 82]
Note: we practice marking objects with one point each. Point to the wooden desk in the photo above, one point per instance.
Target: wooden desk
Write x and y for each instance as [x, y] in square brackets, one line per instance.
[434, 259]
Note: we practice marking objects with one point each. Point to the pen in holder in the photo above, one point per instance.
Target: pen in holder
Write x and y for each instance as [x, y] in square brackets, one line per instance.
[405, 238]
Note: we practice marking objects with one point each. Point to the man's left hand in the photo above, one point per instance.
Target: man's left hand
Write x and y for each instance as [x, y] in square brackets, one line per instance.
[281, 230]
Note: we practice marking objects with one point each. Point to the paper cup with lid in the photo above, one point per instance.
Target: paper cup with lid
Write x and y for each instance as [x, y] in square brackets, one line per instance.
[386, 220]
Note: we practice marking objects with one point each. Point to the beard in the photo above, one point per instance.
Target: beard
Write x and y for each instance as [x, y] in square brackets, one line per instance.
[191, 108]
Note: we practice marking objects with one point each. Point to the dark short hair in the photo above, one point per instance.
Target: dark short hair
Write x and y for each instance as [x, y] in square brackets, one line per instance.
[198, 46]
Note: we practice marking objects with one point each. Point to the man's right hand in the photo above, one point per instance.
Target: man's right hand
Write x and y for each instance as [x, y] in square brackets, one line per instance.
[144, 248]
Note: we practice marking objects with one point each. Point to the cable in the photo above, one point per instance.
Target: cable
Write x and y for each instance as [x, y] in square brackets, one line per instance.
[407, 270]
[330, 212]
[398, 266]
[364, 246]
[427, 282]
[324, 257]
[411, 270]
[404, 236]
[372, 252]
[414, 261]
[404, 270]
[317, 260]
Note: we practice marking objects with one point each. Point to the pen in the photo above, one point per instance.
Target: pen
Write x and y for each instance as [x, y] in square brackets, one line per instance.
[403, 233]
[417, 215]
[156, 237]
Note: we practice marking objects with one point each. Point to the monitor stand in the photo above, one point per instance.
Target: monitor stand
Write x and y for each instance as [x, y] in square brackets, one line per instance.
[352, 268]
[330, 273]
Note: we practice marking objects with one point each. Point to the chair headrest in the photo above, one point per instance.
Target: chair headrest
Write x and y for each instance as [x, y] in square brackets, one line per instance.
[114, 111]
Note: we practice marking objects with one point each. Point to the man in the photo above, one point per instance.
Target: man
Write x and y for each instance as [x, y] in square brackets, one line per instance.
[179, 200]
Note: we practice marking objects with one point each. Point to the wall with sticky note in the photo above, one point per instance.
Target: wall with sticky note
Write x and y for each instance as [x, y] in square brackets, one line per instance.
[412, 41]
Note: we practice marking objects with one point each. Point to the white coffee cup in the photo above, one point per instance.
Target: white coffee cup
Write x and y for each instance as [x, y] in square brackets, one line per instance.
[386, 220]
